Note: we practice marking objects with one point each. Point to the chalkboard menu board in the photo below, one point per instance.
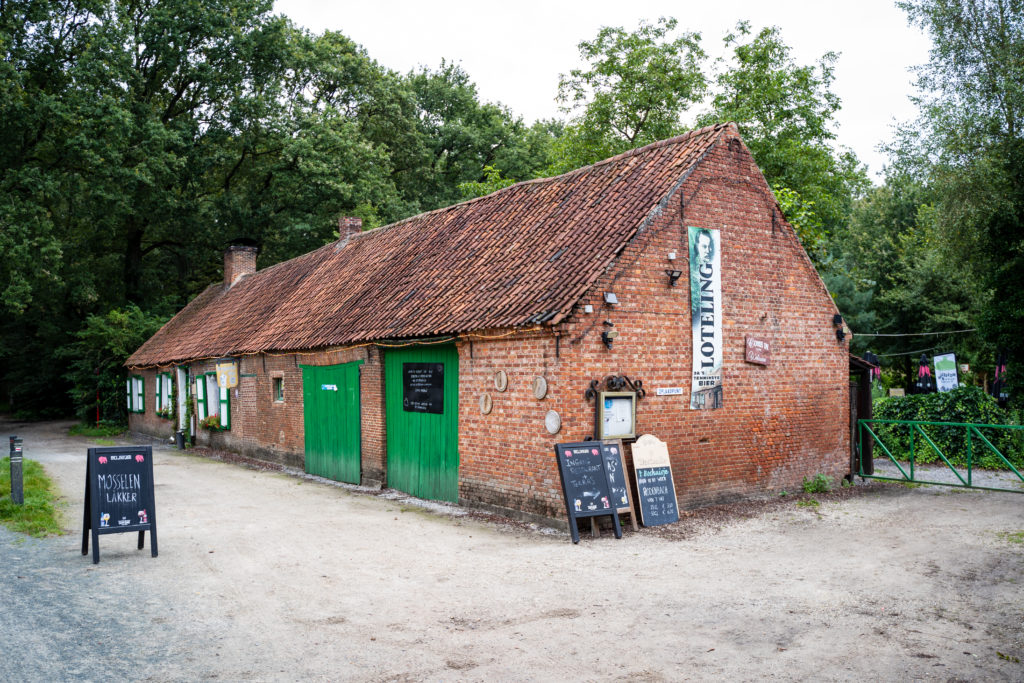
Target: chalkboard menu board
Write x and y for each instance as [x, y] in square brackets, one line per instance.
[657, 495]
[118, 495]
[617, 486]
[423, 387]
[585, 484]
[654, 486]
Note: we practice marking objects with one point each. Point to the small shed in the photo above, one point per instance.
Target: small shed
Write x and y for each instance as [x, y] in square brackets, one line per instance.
[660, 291]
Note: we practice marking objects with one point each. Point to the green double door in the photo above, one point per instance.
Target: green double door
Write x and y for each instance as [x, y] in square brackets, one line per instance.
[422, 403]
[330, 400]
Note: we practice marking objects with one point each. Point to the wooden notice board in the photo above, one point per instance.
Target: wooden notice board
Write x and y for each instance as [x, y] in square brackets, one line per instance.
[584, 475]
[118, 496]
[656, 491]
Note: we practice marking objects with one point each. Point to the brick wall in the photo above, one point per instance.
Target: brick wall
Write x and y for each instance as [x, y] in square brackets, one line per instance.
[779, 423]
[149, 422]
[271, 430]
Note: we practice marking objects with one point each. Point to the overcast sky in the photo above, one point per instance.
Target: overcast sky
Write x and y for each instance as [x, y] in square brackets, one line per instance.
[515, 51]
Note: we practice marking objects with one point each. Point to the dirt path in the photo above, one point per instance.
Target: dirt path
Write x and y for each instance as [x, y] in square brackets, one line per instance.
[264, 576]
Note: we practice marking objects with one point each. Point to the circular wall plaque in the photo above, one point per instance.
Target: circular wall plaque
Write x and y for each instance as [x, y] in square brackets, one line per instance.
[552, 422]
[485, 404]
[540, 388]
[500, 380]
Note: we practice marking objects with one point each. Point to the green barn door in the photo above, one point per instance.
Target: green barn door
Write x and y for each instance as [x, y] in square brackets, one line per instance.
[422, 403]
[330, 403]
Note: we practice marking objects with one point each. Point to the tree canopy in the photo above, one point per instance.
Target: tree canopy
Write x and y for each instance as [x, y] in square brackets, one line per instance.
[141, 138]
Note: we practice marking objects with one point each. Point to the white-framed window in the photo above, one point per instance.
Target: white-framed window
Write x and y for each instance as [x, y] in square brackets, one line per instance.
[136, 394]
[163, 391]
[211, 399]
[181, 375]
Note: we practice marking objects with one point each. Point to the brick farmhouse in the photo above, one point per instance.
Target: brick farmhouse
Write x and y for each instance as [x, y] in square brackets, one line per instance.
[438, 354]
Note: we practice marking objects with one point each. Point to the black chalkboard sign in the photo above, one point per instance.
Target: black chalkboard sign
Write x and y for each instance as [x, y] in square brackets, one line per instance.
[423, 387]
[585, 484]
[657, 494]
[118, 495]
[617, 486]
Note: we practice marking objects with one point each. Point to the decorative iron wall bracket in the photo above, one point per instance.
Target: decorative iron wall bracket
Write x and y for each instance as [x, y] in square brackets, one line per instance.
[615, 383]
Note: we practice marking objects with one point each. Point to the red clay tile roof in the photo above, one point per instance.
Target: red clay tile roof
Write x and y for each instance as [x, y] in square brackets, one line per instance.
[518, 257]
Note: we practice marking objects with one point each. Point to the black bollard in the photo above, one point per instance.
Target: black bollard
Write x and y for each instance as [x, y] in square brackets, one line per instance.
[17, 489]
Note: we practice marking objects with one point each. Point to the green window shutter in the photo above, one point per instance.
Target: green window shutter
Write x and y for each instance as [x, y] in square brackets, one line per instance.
[201, 396]
[158, 385]
[142, 394]
[128, 391]
[225, 407]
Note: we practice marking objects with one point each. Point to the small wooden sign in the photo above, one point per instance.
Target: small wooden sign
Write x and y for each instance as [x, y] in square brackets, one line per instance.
[227, 375]
[656, 491]
[118, 496]
[759, 351]
[584, 475]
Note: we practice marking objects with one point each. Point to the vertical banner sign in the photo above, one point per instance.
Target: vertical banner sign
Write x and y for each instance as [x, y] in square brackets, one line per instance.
[945, 372]
[706, 312]
[118, 495]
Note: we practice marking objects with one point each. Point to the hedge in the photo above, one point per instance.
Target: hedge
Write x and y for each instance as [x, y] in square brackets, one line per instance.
[966, 404]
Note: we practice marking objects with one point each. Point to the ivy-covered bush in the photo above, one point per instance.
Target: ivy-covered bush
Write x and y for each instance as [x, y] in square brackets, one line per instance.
[965, 405]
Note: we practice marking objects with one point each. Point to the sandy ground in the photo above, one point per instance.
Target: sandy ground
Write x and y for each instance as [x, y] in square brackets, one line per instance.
[266, 576]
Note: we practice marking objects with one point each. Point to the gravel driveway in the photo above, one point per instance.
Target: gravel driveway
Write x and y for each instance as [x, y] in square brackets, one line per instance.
[269, 576]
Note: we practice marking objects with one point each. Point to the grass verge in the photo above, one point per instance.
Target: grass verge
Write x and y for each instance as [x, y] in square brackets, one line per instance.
[100, 430]
[39, 515]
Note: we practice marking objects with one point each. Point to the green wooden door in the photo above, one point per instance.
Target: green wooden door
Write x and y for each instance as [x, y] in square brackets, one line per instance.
[423, 444]
[330, 403]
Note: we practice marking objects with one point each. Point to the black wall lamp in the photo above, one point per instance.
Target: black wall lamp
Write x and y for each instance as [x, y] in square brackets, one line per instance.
[607, 336]
[837, 320]
[673, 277]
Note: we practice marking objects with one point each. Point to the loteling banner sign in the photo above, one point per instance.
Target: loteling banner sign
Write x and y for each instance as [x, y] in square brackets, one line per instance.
[945, 372]
[706, 312]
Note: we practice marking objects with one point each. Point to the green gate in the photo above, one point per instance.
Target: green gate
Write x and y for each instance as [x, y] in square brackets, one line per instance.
[330, 405]
[901, 440]
[423, 433]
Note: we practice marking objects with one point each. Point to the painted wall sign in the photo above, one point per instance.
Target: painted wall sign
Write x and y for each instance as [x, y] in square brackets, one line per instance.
[584, 475]
[118, 495]
[946, 378]
[423, 388]
[670, 391]
[759, 351]
[227, 375]
[656, 491]
[706, 317]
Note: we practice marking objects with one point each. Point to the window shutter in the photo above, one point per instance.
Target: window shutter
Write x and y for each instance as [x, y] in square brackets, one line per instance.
[156, 392]
[225, 407]
[128, 392]
[142, 394]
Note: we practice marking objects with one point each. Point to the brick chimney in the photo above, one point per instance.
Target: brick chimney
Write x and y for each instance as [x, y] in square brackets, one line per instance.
[239, 261]
[348, 226]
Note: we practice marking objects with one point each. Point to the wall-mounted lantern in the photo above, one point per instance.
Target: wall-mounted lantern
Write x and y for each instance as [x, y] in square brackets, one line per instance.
[608, 336]
[837, 320]
[673, 277]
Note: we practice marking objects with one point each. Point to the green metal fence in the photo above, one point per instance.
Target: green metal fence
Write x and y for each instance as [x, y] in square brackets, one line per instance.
[975, 444]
